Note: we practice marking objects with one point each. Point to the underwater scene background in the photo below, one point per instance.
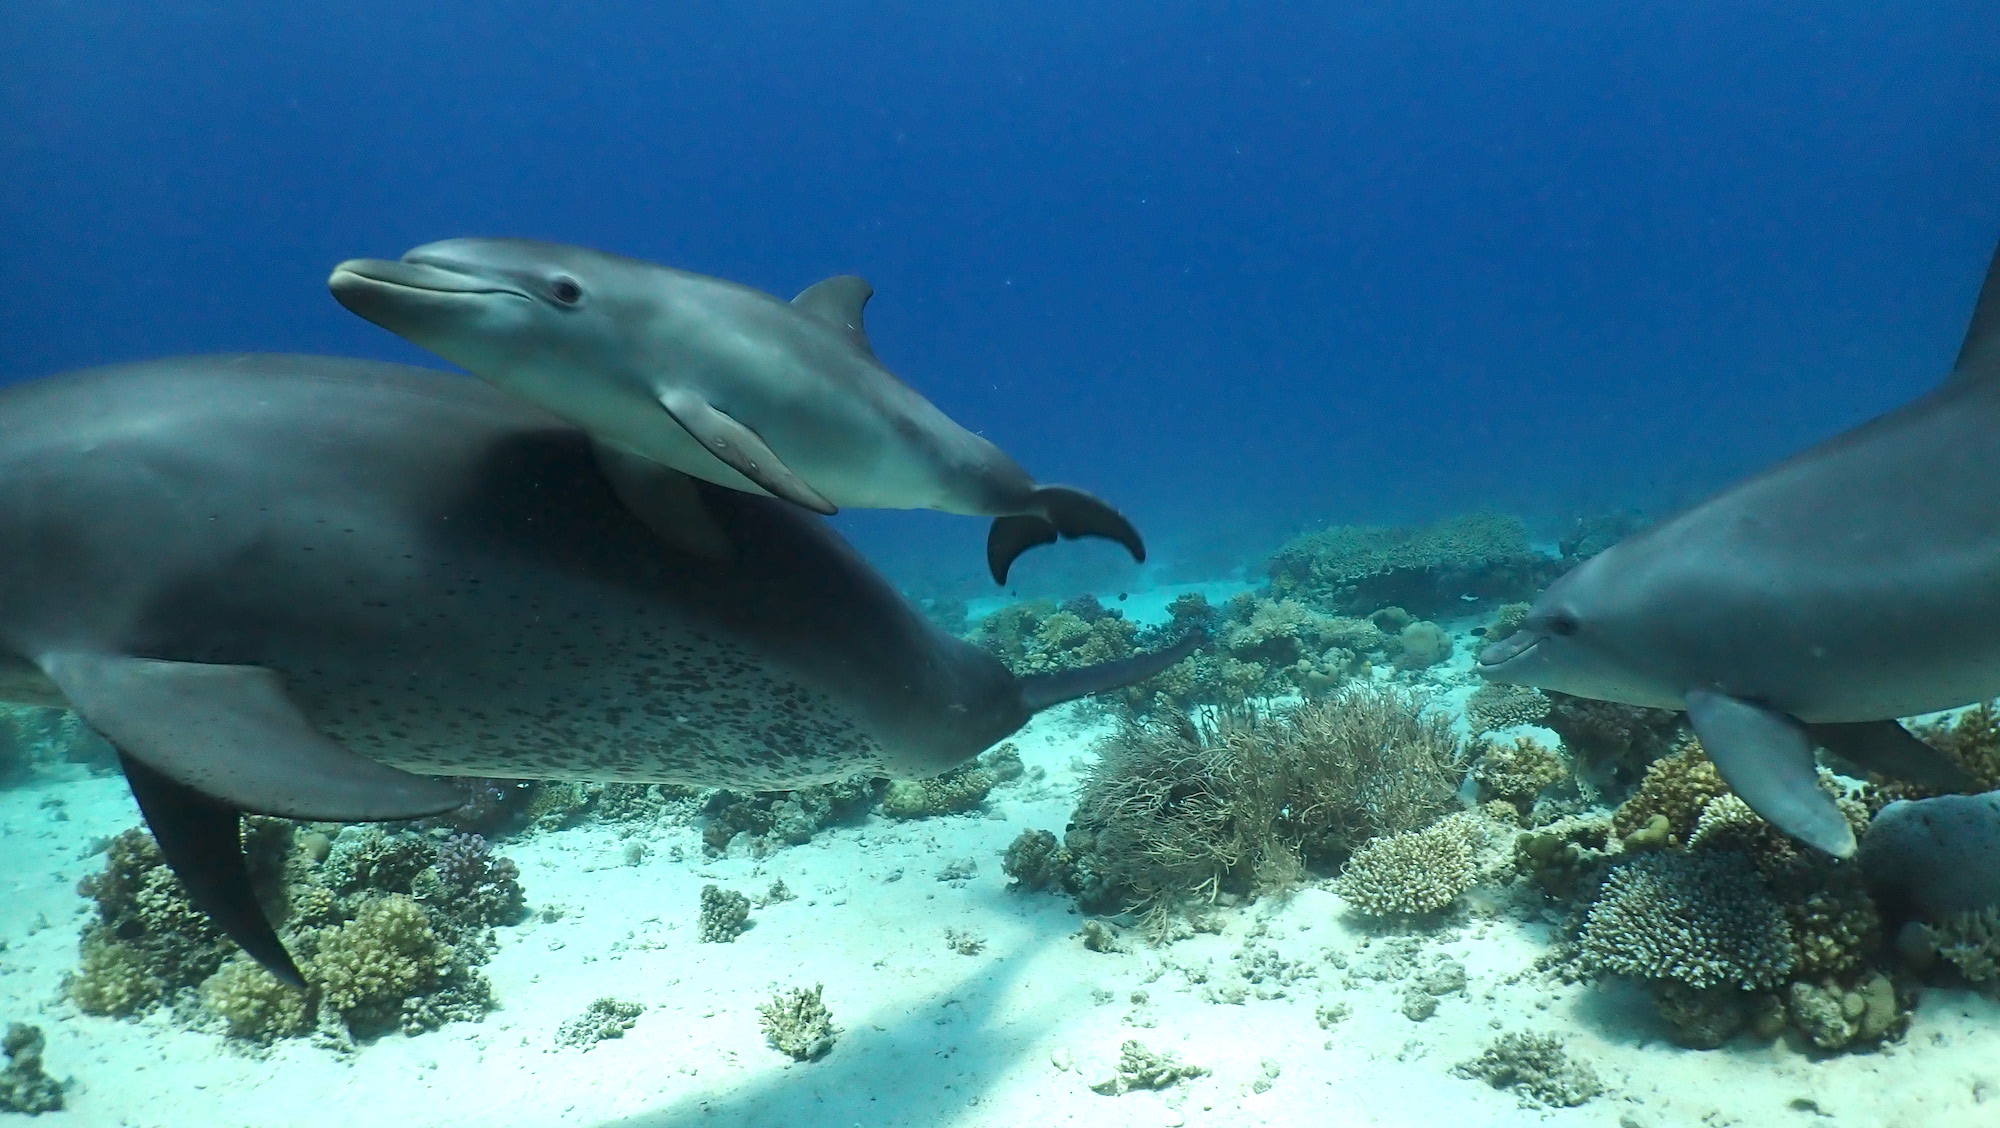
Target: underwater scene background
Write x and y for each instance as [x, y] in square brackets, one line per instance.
[1376, 318]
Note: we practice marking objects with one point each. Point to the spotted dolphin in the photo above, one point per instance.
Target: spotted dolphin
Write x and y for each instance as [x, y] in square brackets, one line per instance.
[1813, 604]
[288, 585]
[726, 383]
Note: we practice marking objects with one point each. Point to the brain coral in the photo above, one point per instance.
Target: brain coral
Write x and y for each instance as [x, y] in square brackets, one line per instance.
[1701, 919]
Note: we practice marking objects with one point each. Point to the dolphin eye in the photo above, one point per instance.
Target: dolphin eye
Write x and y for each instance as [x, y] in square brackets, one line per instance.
[566, 291]
[1563, 625]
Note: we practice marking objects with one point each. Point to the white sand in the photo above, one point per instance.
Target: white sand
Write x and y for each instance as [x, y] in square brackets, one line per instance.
[1010, 1037]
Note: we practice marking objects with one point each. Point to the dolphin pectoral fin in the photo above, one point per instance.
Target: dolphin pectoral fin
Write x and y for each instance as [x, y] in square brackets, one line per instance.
[1040, 691]
[1766, 757]
[742, 450]
[202, 841]
[838, 301]
[1057, 512]
[665, 501]
[1889, 749]
[229, 733]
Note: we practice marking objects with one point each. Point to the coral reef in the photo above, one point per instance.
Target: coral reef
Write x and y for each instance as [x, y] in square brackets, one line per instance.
[797, 1023]
[1178, 812]
[1039, 637]
[24, 1085]
[1430, 570]
[1675, 790]
[1414, 871]
[1141, 1068]
[1618, 741]
[148, 940]
[1537, 1068]
[255, 1005]
[40, 741]
[724, 915]
[604, 1018]
[1496, 706]
[367, 968]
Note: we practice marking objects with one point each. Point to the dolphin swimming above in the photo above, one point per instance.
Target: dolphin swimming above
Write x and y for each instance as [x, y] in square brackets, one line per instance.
[284, 585]
[717, 380]
[1813, 604]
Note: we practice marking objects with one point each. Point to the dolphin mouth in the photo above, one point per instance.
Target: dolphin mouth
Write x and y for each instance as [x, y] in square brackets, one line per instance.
[1507, 649]
[364, 274]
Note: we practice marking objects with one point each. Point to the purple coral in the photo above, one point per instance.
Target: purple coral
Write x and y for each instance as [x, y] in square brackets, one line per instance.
[465, 861]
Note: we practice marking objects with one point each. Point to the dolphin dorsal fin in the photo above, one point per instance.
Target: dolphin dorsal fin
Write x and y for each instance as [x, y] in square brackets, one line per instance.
[838, 301]
[1979, 357]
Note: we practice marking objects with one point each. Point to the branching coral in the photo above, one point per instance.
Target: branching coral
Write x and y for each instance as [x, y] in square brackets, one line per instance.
[724, 915]
[1702, 919]
[366, 968]
[1141, 1068]
[1518, 770]
[1537, 1068]
[1414, 871]
[797, 1023]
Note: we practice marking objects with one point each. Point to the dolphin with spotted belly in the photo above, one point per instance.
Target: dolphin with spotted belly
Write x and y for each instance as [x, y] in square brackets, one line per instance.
[721, 381]
[299, 586]
[1812, 605]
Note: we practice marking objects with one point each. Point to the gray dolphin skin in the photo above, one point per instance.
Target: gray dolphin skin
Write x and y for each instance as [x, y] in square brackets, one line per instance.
[726, 383]
[285, 585]
[1813, 604]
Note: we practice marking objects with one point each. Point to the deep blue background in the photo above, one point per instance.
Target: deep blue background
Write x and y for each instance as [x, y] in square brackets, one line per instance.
[1235, 266]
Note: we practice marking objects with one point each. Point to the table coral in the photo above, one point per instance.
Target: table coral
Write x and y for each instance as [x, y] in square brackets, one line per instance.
[1496, 706]
[1429, 570]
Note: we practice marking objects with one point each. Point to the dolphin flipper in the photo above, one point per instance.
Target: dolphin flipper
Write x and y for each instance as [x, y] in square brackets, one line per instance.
[229, 733]
[1057, 512]
[1766, 757]
[665, 501]
[1889, 749]
[742, 450]
[202, 841]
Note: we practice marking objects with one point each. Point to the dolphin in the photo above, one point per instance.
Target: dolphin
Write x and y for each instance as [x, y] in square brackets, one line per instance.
[300, 586]
[720, 381]
[1813, 604]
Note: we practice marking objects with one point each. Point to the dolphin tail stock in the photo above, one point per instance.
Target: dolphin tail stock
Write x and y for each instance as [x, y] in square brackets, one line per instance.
[1052, 513]
[1041, 691]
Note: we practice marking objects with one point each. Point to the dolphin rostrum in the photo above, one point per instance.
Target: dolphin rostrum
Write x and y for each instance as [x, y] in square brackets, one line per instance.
[286, 585]
[717, 380]
[1813, 604]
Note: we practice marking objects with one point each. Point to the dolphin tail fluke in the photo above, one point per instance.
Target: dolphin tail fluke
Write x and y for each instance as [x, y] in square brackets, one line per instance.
[1057, 512]
[1040, 691]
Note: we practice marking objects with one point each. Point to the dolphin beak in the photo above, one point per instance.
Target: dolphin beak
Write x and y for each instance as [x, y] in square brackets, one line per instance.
[365, 274]
[412, 299]
[1514, 646]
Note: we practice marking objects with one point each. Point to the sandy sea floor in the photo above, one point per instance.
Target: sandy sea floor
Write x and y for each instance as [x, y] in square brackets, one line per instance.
[1014, 1034]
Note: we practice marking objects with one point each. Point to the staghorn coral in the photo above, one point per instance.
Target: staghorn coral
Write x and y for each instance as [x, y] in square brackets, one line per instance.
[1537, 1068]
[724, 915]
[24, 1085]
[1414, 871]
[1429, 570]
[797, 1023]
[1496, 706]
[1704, 920]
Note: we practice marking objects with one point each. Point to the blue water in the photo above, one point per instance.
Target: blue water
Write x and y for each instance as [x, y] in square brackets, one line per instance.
[1237, 267]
